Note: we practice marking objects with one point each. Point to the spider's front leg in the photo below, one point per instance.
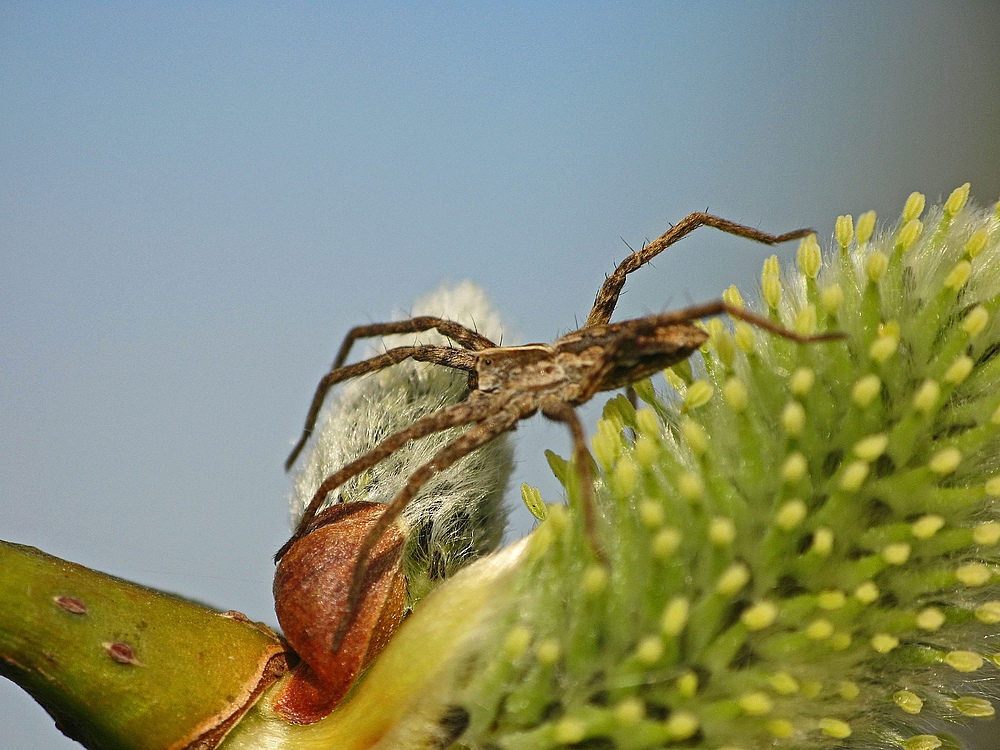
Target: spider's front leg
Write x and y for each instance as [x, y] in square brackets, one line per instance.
[465, 337]
[608, 295]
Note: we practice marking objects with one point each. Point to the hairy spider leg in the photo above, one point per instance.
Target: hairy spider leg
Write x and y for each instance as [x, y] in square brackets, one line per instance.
[610, 290]
[443, 355]
[718, 307]
[494, 415]
[474, 409]
[465, 337]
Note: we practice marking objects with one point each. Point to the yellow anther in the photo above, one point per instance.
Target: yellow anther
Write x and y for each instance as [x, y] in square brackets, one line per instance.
[977, 243]
[922, 742]
[914, 206]
[725, 348]
[831, 599]
[963, 661]
[926, 397]
[733, 297]
[973, 574]
[802, 380]
[734, 392]
[911, 703]
[835, 728]
[771, 288]
[781, 729]
[681, 725]
[987, 533]
[867, 592]
[896, 553]
[876, 266]
[794, 468]
[517, 641]
[755, 703]
[883, 643]
[675, 616]
[832, 298]
[665, 543]
[651, 512]
[595, 579]
[844, 230]
[865, 389]
[690, 485]
[771, 267]
[822, 542]
[871, 447]
[853, 476]
[649, 650]
[988, 613]
[866, 226]
[569, 731]
[957, 200]
[695, 435]
[958, 275]
[945, 461]
[721, 531]
[784, 684]
[975, 321]
[976, 708]
[791, 514]
[625, 476]
[733, 578]
[548, 651]
[805, 320]
[930, 619]
[883, 347]
[793, 418]
[533, 501]
[810, 256]
[927, 526]
[630, 711]
[744, 336]
[759, 616]
[909, 234]
[698, 394]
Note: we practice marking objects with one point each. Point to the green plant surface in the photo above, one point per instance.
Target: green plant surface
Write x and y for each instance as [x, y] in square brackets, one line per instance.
[119, 666]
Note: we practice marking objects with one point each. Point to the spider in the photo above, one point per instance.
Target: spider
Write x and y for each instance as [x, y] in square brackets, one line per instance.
[508, 384]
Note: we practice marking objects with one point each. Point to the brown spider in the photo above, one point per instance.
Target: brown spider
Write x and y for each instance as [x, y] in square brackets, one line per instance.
[508, 384]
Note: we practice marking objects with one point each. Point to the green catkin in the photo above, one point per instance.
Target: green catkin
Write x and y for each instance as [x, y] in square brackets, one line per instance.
[801, 543]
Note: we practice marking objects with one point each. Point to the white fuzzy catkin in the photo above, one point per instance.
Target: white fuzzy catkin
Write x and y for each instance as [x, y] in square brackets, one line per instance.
[459, 514]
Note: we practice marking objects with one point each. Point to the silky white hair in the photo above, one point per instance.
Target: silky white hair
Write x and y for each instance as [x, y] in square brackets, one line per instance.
[458, 515]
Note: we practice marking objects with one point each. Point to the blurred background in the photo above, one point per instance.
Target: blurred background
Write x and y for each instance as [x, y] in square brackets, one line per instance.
[198, 200]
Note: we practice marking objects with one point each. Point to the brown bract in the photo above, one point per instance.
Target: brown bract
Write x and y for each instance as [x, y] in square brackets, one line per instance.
[311, 598]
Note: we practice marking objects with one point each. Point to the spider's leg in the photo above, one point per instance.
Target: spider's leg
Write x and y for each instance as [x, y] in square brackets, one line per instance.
[607, 297]
[467, 411]
[442, 355]
[560, 411]
[495, 416]
[464, 337]
[718, 307]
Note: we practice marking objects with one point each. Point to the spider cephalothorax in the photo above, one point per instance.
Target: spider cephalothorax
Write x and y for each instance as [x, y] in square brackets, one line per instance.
[508, 384]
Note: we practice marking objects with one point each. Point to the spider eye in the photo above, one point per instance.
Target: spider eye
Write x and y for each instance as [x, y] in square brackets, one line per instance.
[488, 361]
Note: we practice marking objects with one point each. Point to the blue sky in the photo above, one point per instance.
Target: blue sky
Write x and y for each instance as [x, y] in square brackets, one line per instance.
[198, 200]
